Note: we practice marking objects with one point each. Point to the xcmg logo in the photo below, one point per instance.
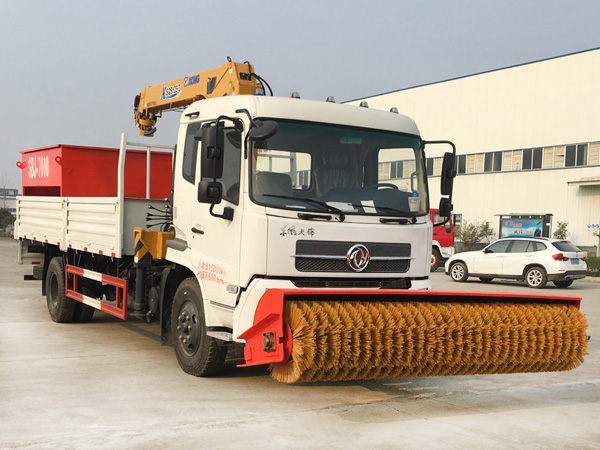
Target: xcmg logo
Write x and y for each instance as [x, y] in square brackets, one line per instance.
[170, 92]
[191, 80]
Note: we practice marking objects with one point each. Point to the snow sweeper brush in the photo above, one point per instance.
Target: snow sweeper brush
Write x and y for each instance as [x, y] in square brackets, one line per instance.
[332, 335]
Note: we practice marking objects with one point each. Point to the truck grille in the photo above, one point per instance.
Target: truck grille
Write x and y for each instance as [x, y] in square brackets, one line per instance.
[328, 256]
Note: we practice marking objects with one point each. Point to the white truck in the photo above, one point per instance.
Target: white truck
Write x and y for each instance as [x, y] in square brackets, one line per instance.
[283, 211]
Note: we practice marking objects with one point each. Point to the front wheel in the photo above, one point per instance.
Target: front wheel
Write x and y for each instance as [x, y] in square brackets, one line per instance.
[197, 353]
[436, 259]
[536, 277]
[458, 272]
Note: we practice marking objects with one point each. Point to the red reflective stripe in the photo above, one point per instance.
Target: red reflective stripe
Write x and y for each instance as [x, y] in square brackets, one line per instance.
[121, 287]
[75, 270]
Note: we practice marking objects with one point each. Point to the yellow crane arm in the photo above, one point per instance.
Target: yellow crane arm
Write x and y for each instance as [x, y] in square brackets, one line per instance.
[229, 79]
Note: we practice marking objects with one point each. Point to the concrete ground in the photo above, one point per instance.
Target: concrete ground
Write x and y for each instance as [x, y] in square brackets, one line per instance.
[109, 384]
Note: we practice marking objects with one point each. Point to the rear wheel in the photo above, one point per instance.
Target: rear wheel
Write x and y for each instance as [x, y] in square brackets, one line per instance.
[486, 279]
[436, 259]
[458, 272]
[536, 277]
[84, 313]
[197, 353]
[563, 284]
[60, 307]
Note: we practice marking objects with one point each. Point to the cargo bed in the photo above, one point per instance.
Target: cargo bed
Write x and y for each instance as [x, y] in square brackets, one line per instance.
[91, 224]
[96, 224]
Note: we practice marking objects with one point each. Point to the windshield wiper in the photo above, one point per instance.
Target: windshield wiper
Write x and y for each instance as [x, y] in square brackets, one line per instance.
[385, 209]
[327, 207]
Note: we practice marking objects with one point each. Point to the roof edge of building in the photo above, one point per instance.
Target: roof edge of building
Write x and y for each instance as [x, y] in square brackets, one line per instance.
[475, 74]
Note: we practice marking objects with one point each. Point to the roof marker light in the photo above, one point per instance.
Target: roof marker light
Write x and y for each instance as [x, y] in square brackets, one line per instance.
[364, 104]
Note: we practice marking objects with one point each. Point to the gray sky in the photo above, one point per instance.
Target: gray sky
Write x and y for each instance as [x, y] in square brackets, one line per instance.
[70, 69]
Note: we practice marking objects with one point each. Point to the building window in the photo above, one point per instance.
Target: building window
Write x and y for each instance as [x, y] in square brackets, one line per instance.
[462, 164]
[429, 163]
[457, 221]
[497, 161]
[487, 165]
[532, 158]
[396, 169]
[493, 162]
[576, 155]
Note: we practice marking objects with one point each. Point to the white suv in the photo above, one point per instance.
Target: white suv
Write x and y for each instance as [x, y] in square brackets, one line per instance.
[534, 260]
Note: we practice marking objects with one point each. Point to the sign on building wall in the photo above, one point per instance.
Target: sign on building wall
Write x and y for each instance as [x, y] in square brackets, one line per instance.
[525, 226]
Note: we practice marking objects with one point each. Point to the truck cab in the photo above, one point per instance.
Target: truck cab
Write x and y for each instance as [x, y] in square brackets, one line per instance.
[337, 197]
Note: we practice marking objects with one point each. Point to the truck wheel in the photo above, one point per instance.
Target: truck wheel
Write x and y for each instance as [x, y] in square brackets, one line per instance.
[198, 354]
[84, 313]
[458, 272]
[563, 284]
[60, 307]
[536, 277]
[436, 259]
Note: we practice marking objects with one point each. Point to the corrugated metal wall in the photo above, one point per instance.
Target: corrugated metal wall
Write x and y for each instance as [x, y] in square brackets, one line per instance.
[547, 104]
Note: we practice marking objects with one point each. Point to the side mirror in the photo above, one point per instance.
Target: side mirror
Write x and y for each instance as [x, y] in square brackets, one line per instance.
[448, 174]
[211, 162]
[263, 130]
[445, 207]
[210, 192]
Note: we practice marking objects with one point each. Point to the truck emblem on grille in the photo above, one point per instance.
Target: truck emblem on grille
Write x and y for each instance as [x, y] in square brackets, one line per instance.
[358, 257]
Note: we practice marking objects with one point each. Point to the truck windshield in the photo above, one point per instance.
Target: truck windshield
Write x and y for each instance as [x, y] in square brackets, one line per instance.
[324, 168]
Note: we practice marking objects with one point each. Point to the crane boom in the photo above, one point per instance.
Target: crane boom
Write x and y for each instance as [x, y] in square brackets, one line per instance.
[230, 79]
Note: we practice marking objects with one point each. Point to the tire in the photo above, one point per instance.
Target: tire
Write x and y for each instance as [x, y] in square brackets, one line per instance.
[486, 279]
[536, 277]
[198, 354]
[60, 307]
[563, 284]
[436, 259]
[459, 272]
[85, 313]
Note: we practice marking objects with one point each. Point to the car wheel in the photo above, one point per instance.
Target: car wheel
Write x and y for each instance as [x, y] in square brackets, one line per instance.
[458, 272]
[435, 259]
[486, 279]
[536, 277]
[563, 284]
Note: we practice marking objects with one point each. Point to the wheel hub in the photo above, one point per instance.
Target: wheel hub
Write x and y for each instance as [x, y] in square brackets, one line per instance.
[188, 328]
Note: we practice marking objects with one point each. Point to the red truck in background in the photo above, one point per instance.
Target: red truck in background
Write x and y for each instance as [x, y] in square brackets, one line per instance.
[442, 246]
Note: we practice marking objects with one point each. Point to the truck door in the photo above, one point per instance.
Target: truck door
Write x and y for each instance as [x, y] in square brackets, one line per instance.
[214, 241]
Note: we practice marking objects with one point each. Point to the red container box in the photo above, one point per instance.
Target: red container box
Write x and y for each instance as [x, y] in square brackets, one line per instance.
[75, 171]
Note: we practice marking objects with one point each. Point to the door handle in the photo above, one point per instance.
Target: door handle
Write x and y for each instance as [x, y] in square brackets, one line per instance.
[197, 231]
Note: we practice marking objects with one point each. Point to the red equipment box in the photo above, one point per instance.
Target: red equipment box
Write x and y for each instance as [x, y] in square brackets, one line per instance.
[76, 171]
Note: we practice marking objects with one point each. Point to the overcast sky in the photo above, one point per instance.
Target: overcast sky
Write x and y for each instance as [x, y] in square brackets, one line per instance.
[70, 70]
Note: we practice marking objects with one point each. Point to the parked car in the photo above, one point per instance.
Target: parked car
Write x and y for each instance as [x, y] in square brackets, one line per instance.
[535, 260]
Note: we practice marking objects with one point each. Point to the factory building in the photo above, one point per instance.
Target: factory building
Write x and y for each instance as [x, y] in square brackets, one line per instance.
[527, 138]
